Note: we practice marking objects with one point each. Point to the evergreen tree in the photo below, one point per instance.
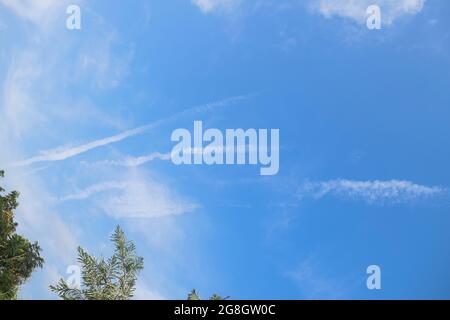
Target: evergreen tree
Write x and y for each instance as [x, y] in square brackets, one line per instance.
[112, 279]
[18, 256]
[193, 295]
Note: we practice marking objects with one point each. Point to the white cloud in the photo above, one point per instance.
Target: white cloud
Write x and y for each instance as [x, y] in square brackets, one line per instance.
[18, 108]
[356, 9]
[144, 198]
[40, 12]
[138, 196]
[379, 192]
[208, 6]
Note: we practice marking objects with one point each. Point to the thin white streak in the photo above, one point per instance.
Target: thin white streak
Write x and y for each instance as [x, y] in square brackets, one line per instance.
[68, 153]
[138, 161]
[59, 155]
[135, 162]
[92, 190]
[393, 191]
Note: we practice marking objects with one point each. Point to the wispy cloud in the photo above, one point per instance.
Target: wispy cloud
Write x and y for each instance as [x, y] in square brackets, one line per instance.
[356, 9]
[313, 284]
[372, 192]
[145, 198]
[352, 9]
[63, 153]
[18, 105]
[136, 161]
[135, 197]
[208, 6]
[92, 190]
[38, 12]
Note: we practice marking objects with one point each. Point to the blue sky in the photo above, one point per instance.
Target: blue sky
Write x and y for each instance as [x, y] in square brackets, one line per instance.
[87, 115]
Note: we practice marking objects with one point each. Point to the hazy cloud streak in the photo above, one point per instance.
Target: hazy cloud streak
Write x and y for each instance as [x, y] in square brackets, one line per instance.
[392, 191]
[60, 154]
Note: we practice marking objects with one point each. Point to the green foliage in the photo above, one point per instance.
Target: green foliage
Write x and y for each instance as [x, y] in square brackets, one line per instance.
[112, 279]
[193, 295]
[18, 257]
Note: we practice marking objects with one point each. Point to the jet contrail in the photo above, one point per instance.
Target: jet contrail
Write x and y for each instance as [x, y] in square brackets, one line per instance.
[135, 161]
[68, 153]
[60, 155]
